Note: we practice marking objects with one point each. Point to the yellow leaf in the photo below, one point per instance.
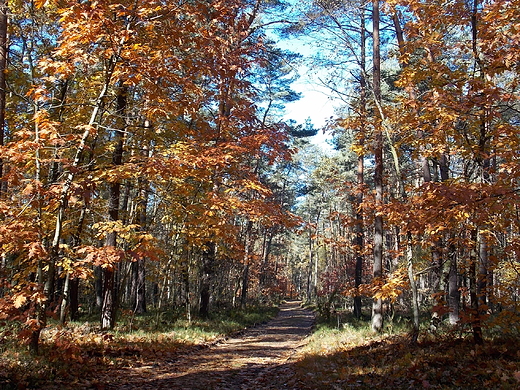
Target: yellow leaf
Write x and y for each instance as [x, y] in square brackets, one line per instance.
[19, 300]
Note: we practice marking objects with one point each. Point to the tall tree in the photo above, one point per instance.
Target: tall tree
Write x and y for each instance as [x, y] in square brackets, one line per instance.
[110, 298]
[377, 306]
[360, 177]
[3, 85]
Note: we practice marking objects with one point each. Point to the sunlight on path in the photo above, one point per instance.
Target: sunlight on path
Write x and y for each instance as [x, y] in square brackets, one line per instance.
[259, 359]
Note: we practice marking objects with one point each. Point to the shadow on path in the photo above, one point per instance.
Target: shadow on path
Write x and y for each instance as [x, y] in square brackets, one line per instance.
[259, 359]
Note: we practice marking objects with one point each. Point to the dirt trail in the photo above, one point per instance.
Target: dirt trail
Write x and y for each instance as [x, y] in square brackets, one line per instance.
[258, 359]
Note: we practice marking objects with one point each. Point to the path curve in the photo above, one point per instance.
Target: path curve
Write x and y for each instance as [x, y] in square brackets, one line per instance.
[258, 359]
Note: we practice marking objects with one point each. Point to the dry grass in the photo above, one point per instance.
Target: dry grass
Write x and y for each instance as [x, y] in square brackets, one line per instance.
[82, 348]
[354, 357]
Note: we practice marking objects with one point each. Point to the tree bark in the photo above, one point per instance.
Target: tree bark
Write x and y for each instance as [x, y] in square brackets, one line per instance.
[247, 259]
[208, 264]
[377, 305]
[269, 233]
[65, 299]
[413, 287]
[139, 266]
[109, 304]
[3, 71]
[310, 269]
[139, 286]
[474, 300]
[478, 282]
[453, 287]
[74, 299]
[360, 174]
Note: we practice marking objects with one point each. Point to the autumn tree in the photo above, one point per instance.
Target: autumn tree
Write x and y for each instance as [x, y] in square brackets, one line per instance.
[444, 111]
[462, 109]
[123, 104]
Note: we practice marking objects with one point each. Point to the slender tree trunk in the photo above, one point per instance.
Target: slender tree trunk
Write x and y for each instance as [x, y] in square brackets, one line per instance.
[65, 299]
[69, 178]
[444, 167]
[208, 264]
[377, 306]
[478, 282]
[310, 269]
[3, 72]
[453, 273]
[41, 306]
[74, 299]
[138, 293]
[474, 300]
[98, 285]
[360, 175]
[269, 234]
[247, 259]
[426, 173]
[139, 266]
[187, 289]
[245, 283]
[453, 286]
[483, 268]
[413, 287]
[109, 304]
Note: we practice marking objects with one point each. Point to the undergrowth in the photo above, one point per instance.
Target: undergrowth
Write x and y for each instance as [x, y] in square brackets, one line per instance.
[347, 354]
[72, 352]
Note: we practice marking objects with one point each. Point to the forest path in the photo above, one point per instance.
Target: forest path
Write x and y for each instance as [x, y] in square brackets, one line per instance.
[258, 359]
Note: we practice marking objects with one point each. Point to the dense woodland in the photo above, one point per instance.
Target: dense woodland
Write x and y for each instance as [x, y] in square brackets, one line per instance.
[145, 163]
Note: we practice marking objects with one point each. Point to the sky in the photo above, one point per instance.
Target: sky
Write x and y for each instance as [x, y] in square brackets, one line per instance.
[316, 103]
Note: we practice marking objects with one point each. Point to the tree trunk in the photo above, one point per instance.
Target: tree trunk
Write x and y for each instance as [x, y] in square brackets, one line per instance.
[360, 175]
[453, 287]
[413, 287]
[245, 282]
[3, 72]
[65, 299]
[483, 268]
[98, 285]
[247, 259]
[185, 272]
[139, 285]
[109, 304]
[474, 300]
[269, 233]
[377, 306]
[139, 266]
[208, 264]
[74, 299]
[310, 269]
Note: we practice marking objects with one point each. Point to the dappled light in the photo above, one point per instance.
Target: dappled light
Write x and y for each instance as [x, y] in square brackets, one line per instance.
[168, 220]
[395, 363]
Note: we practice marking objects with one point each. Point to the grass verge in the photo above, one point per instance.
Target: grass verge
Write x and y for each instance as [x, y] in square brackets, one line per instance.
[73, 353]
[352, 356]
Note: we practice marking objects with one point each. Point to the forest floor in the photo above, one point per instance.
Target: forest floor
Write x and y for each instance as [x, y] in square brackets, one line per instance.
[259, 358]
[290, 352]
